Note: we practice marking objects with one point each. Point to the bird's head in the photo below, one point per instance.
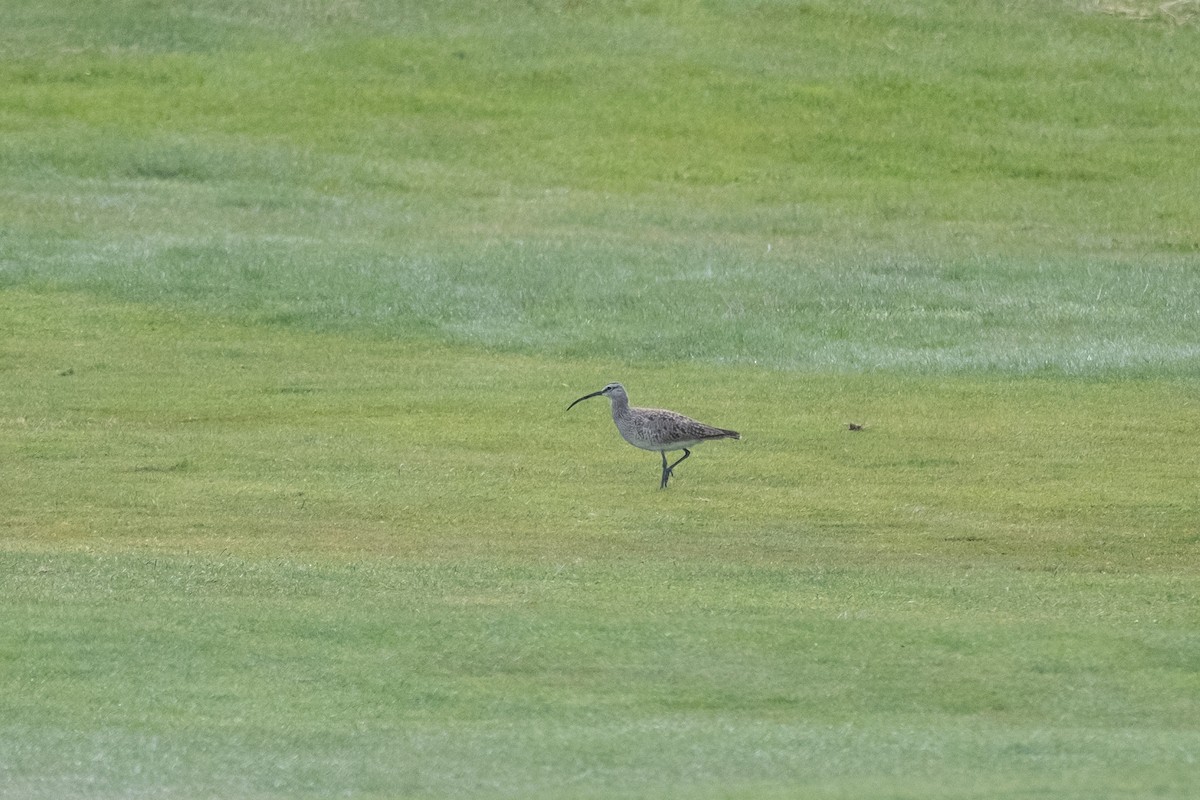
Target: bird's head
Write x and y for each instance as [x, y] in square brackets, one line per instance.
[612, 390]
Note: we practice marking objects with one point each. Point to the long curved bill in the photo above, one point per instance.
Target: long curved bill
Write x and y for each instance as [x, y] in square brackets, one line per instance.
[585, 397]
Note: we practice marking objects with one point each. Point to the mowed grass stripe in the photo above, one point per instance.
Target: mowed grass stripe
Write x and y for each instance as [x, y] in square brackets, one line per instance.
[815, 186]
[157, 398]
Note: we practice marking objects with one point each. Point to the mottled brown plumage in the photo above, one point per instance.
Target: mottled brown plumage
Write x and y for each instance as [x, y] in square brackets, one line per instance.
[657, 429]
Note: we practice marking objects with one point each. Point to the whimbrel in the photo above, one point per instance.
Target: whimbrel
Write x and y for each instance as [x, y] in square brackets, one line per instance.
[657, 429]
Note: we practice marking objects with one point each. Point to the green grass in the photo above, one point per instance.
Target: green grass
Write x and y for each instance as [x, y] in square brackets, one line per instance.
[253, 563]
[809, 186]
[293, 298]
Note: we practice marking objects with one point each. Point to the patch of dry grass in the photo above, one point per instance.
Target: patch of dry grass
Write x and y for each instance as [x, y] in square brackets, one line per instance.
[1177, 12]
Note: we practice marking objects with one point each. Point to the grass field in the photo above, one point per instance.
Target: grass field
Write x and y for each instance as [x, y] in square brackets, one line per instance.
[293, 298]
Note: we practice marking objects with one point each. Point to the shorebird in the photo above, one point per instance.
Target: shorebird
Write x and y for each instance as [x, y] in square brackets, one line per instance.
[657, 429]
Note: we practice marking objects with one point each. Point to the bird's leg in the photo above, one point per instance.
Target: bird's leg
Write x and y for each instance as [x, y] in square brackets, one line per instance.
[686, 453]
[668, 471]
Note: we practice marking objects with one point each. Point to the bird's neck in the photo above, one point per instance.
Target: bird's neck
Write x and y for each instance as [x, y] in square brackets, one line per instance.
[620, 406]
